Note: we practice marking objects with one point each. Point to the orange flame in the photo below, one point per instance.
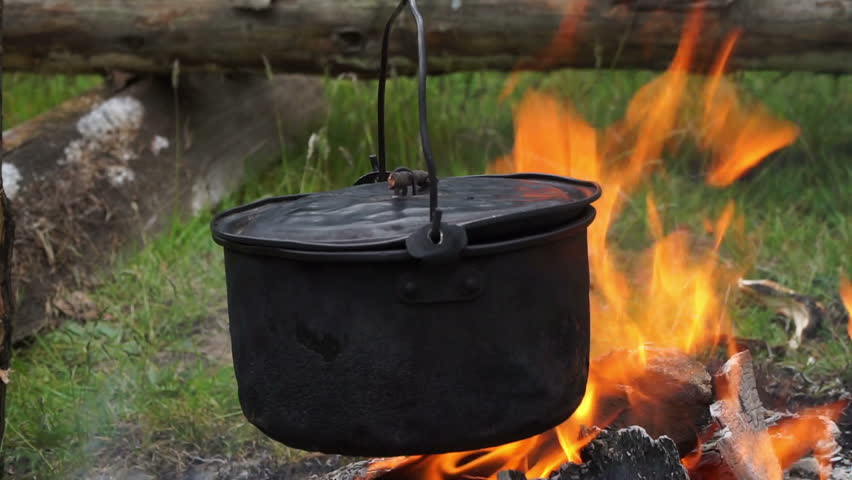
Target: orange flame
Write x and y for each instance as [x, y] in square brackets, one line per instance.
[739, 136]
[674, 296]
[846, 297]
[811, 430]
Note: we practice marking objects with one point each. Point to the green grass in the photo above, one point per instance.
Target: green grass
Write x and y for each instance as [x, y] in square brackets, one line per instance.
[137, 378]
[27, 95]
[137, 386]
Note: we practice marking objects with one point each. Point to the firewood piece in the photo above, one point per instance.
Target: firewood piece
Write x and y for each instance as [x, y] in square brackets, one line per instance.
[736, 389]
[671, 396]
[628, 453]
[95, 178]
[805, 313]
[747, 441]
[330, 36]
[740, 447]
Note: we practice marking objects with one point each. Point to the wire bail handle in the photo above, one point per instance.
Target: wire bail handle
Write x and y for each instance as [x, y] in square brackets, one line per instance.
[426, 144]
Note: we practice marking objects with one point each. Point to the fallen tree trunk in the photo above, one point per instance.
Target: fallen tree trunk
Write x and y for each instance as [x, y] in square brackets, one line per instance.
[329, 36]
[102, 172]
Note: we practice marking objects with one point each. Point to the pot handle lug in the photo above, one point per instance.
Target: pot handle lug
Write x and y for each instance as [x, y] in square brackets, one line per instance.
[451, 241]
[433, 285]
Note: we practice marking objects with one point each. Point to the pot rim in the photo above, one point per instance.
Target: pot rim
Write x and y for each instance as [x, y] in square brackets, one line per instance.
[576, 225]
[570, 210]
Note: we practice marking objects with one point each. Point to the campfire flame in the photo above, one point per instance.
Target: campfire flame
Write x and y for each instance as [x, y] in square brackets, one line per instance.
[675, 296]
[846, 297]
[739, 136]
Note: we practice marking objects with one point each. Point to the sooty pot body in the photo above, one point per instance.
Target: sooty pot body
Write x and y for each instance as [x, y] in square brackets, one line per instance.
[394, 357]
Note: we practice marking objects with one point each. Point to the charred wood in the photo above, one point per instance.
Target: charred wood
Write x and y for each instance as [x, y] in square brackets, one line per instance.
[747, 441]
[626, 454]
[103, 172]
[328, 36]
[740, 446]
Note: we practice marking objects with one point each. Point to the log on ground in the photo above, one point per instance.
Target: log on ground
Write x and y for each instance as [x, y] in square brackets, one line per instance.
[329, 36]
[100, 174]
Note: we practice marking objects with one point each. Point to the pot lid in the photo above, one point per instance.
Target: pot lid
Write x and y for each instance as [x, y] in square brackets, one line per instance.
[370, 216]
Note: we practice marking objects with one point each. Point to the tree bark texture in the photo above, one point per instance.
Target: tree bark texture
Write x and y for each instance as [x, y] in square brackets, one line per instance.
[330, 36]
[96, 176]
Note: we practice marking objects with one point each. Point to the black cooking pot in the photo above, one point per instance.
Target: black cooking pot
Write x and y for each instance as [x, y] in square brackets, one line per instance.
[359, 327]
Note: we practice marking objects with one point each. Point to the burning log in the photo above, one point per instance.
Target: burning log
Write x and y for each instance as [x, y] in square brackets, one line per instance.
[319, 36]
[626, 453]
[741, 447]
[93, 177]
[670, 395]
[613, 454]
[748, 442]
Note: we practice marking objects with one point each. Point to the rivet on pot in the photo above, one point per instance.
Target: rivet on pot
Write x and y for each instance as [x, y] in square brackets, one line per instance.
[471, 285]
[409, 289]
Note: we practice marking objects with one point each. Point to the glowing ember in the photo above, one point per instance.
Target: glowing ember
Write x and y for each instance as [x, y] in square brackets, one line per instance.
[810, 430]
[674, 297]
